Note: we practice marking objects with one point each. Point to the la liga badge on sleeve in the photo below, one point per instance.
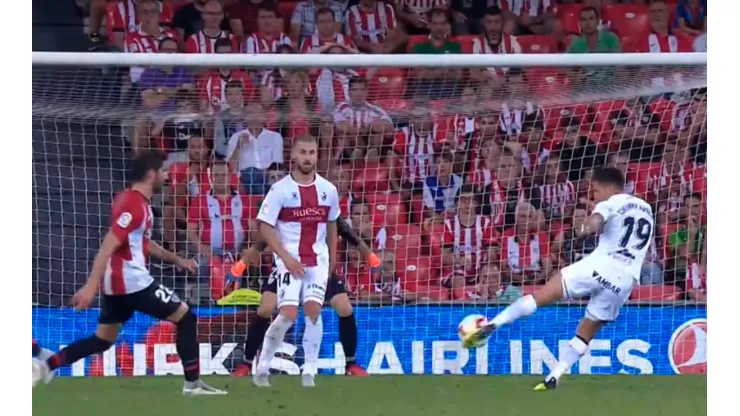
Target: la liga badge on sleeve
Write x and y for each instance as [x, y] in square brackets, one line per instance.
[124, 220]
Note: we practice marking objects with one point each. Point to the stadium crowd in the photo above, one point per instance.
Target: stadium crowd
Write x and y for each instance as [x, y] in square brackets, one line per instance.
[467, 181]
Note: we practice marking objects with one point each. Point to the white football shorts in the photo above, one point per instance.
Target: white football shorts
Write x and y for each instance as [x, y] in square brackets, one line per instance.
[609, 289]
[294, 291]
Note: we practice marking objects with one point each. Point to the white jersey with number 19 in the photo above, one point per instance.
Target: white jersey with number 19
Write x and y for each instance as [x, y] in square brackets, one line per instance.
[628, 231]
[299, 213]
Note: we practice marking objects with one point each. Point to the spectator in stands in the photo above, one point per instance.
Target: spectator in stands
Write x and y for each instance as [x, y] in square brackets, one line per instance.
[533, 17]
[494, 41]
[231, 118]
[525, 251]
[700, 43]
[198, 16]
[556, 194]
[218, 221]
[621, 161]
[569, 244]
[661, 37]
[253, 150]
[373, 27]
[177, 127]
[577, 153]
[386, 287]
[123, 17]
[361, 125]
[414, 14]
[213, 84]
[485, 165]
[277, 84]
[296, 107]
[440, 189]
[469, 242]
[275, 172]
[592, 40]
[159, 84]
[305, 20]
[269, 35]
[688, 242]
[466, 15]
[360, 215]
[489, 285]
[437, 83]
[327, 34]
[413, 153]
[691, 17]
[533, 152]
[507, 191]
[243, 16]
[145, 38]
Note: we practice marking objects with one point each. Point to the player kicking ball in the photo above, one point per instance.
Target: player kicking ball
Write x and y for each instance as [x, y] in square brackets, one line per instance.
[298, 220]
[625, 224]
[336, 293]
[120, 268]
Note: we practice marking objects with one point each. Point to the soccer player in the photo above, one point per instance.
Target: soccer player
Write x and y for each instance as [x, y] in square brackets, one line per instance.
[298, 220]
[625, 224]
[336, 293]
[120, 269]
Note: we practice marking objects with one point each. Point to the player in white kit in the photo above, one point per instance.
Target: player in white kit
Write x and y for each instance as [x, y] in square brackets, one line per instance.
[298, 221]
[625, 224]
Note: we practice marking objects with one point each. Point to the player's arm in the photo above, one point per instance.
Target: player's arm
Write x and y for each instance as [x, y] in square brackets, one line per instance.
[110, 244]
[159, 252]
[331, 228]
[267, 217]
[594, 224]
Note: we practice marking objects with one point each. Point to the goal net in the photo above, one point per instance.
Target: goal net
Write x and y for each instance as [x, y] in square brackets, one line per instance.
[467, 175]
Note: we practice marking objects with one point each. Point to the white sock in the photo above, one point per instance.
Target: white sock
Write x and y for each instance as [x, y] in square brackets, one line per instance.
[44, 354]
[522, 307]
[312, 344]
[273, 338]
[568, 357]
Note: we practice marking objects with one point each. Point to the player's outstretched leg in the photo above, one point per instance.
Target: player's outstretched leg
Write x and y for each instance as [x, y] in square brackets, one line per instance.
[527, 305]
[347, 333]
[576, 348]
[256, 332]
[40, 368]
[103, 339]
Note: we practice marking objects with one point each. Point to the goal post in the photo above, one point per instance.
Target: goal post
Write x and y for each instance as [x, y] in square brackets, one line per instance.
[465, 173]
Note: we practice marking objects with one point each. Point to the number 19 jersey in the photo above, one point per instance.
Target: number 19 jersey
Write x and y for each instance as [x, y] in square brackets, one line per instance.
[628, 232]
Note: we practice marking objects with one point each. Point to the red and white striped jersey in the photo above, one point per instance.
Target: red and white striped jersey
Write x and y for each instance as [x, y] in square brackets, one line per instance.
[532, 8]
[314, 41]
[558, 196]
[213, 88]
[360, 116]
[509, 44]
[471, 242]
[660, 43]
[685, 175]
[139, 41]
[510, 120]
[417, 152]
[525, 254]
[121, 15]
[695, 280]
[300, 213]
[332, 87]
[531, 160]
[199, 42]
[481, 174]
[372, 26]
[464, 130]
[257, 43]
[273, 80]
[500, 197]
[131, 223]
[421, 6]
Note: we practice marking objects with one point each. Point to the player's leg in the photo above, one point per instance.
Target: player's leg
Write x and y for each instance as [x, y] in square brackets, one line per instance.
[160, 302]
[289, 296]
[314, 291]
[258, 327]
[40, 352]
[608, 294]
[337, 295]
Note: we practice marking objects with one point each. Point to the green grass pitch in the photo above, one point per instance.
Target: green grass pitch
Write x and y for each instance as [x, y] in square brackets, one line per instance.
[379, 396]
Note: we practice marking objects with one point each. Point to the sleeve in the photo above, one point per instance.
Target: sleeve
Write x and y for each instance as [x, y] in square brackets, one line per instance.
[249, 45]
[334, 208]
[544, 246]
[194, 210]
[605, 209]
[297, 17]
[399, 143]
[338, 114]
[114, 18]
[271, 205]
[490, 236]
[190, 45]
[127, 216]
[391, 22]
[130, 45]
[428, 198]
[233, 143]
[345, 231]
[349, 22]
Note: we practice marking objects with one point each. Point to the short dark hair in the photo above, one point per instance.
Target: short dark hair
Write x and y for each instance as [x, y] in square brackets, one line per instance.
[532, 121]
[324, 10]
[357, 81]
[285, 47]
[608, 176]
[437, 11]
[353, 204]
[469, 189]
[589, 9]
[305, 139]
[445, 157]
[167, 39]
[145, 162]
[223, 43]
[695, 195]
[494, 11]
[183, 96]
[268, 6]
[234, 84]
[275, 166]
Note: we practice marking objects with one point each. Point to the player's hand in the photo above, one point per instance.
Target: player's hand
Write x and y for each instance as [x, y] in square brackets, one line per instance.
[188, 264]
[294, 266]
[251, 257]
[84, 298]
[374, 263]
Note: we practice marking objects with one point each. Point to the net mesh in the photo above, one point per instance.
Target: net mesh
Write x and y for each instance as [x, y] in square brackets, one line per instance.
[444, 172]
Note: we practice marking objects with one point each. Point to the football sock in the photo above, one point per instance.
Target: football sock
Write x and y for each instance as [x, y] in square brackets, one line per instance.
[187, 346]
[575, 350]
[312, 343]
[273, 338]
[522, 307]
[348, 337]
[255, 336]
[78, 350]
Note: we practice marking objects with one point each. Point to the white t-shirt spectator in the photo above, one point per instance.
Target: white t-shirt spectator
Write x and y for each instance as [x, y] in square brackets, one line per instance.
[256, 152]
[700, 43]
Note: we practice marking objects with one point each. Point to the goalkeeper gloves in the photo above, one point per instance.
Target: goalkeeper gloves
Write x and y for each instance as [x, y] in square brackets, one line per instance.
[233, 276]
[374, 263]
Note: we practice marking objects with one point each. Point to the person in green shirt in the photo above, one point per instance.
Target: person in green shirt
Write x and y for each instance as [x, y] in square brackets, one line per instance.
[688, 243]
[593, 40]
[437, 82]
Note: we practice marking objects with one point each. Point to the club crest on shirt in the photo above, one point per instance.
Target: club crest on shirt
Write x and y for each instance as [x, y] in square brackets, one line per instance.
[124, 220]
[295, 195]
[323, 196]
[264, 208]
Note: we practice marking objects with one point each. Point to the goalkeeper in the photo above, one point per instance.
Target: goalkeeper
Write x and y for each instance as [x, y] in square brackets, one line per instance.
[336, 293]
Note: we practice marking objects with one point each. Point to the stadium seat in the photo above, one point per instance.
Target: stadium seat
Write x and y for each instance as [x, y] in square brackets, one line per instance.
[428, 292]
[538, 44]
[415, 40]
[388, 209]
[285, 11]
[466, 42]
[416, 270]
[417, 209]
[569, 16]
[403, 238]
[628, 20]
[602, 112]
[554, 115]
[387, 83]
[547, 80]
[656, 293]
[370, 178]
[392, 104]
